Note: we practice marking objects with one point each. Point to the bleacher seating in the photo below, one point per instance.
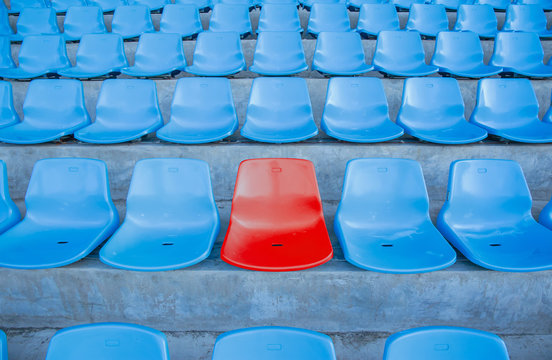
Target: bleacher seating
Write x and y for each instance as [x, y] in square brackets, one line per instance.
[82, 20]
[181, 19]
[339, 53]
[131, 21]
[35, 21]
[479, 18]
[279, 17]
[217, 54]
[374, 18]
[328, 17]
[528, 18]
[9, 216]
[231, 18]
[427, 19]
[279, 53]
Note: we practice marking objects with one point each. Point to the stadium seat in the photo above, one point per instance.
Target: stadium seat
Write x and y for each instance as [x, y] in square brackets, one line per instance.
[355, 5]
[233, 18]
[131, 21]
[268, 121]
[528, 18]
[480, 19]
[126, 110]
[81, 20]
[276, 223]
[181, 19]
[356, 110]
[217, 54]
[153, 5]
[401, 53]
[451, 4]
[157, 54]
[279, 2]
[5, 28]
[374, 18]
[273, 342]
[432, 110]
[69, 213]
[9, 216]
[445, 342]
[545, 216]
[499, 5]
[509, 108]
[520, 53]
[107, 5]
[427, 19]
[35, 21]
[251, 4]
[61, 6]
[279, 17]
[546, 4]
[340, 53]
[383, 222]
[404, 5]
[328, 17]
[53, 108]
[202, 111]
[460, 54]
[3, 346]
[279, 53]
[108, 341]
[6, 60]
[307, 4]
[202, 5]
[16, 6]
[9, 116]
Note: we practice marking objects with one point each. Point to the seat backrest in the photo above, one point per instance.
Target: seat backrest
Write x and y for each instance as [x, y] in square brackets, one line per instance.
[80, 20]
[230, 17]
[16, 6]
[279, 17]
[152, 4]
[339, 50]
[131, 20]
[546, 4]
[480, 19]
[159, 51]
[43, 52]
[5, 28]
[427, 18]
[9, 216]
[181, 19]
[37, 21]
[8, 115]
[399, 49]
[106, 5]
[61, 6]
[6, 60]
[3, 346]
[519, 49]
[108, 341]
[200, 4]
[525, 18]
[214, 50]
[458, 49]
[328, 17]
[101, 51]
[496, 4]
[273, 343]
[374, 18]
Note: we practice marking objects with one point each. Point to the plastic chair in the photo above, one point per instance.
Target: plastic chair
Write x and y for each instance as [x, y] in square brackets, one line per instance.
[545, 216]
[6, 60]
[461, 54]
[404, 5]
[98, 55]
[273, 342]
[9, 216]
[340, 53]
[267, 120]
[546, 4]
[217, 54]
[499, 5]
[131, 21]
[107, 5]
[307, 4]
[427, 19]
[69, 213]
[35, 21]
[153, 5]
[356, 110]
[279, 2]
[445, 342]
[520, 53]
[279, 53]
[451, 4]
[509, 108]
[202, 5]
[81, 20]
[202, 111]
[480, 19]
[328, 17]
[126, 110]
[374, 18]
[5, 28]
[401, 53]
[235, 18]
[61, 6]
[108, 341]
[487, 216]
[3, 346]
[181, 19]
[251, 4]
[279, 17]
[16, 6]
[355, 5]
[9, 116]
[276, 223]
[528, 18]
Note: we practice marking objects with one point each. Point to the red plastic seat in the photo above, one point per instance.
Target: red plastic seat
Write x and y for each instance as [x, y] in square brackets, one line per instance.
[277, 222]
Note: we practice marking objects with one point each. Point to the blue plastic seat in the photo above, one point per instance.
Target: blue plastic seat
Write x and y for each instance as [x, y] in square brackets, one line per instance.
[328, 17]
[61, 6]
[461, 54]
[153, 5]
[487, 216]
[234, 18]
[5, 28]
[480, 19]
[520, 53]
[8, 115]
[546, 4]
[374, 18]
[427, 19]
[202, 111]
[171, 218]
[496, 4]
[279, 53]
[509, 108]
[3, 346]
[355, 5]
[279, 2]
[157, 54]
[6, 60]
[545, 216]
[131, 21]
[35, 21]
[126, 110]
[401, 53]
[445, 342]
[451, 4]
[98, 55]
[273, 342]
[528, 18]
[39, 55]
[268, 121]
[181, 19]
[251, 4]
[340, 53]
[279, 17]
[9, 216]
[16, 6]
[432, 110]
[202, 5]
[307, 4]
[383, 222]
[217, 54]
[404, 5]
[107, 5]
[69, 213]
[356, 110]
[108, 341]
[81, 20]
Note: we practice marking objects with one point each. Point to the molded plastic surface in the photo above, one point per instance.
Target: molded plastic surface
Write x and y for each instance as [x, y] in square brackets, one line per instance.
[273, 343]
[356, 110]
[480, 19]
[374, 18]
[383, 222]
[108, 341]
[328, 17]
[279, 17]
[307, 4]
[9, 216]
[233, 18]
[444, 343]
[355, 5]
[16, 6]
[5, 28]
[6, 60]
[496, 4]
[405, 4]
[126, 110]
[81, 20]
[202, 111]
[279, 53]
[546, 4]
[181, 19]
[451, 4]
[529, 18]
[3, 346]
[202, 5]
[107, 5]
[52, 109]
[36, 21]
[427, 19]
[61, 6]
[279, 111]
[151, 4]
[545, 216]
[8, 116]
[69, 213]
[487, 216]
[131, 21]
[340, 53]
[217, 54]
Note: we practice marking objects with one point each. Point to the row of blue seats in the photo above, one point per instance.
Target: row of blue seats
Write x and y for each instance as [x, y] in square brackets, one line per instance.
[129, 341]
[203, 111]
